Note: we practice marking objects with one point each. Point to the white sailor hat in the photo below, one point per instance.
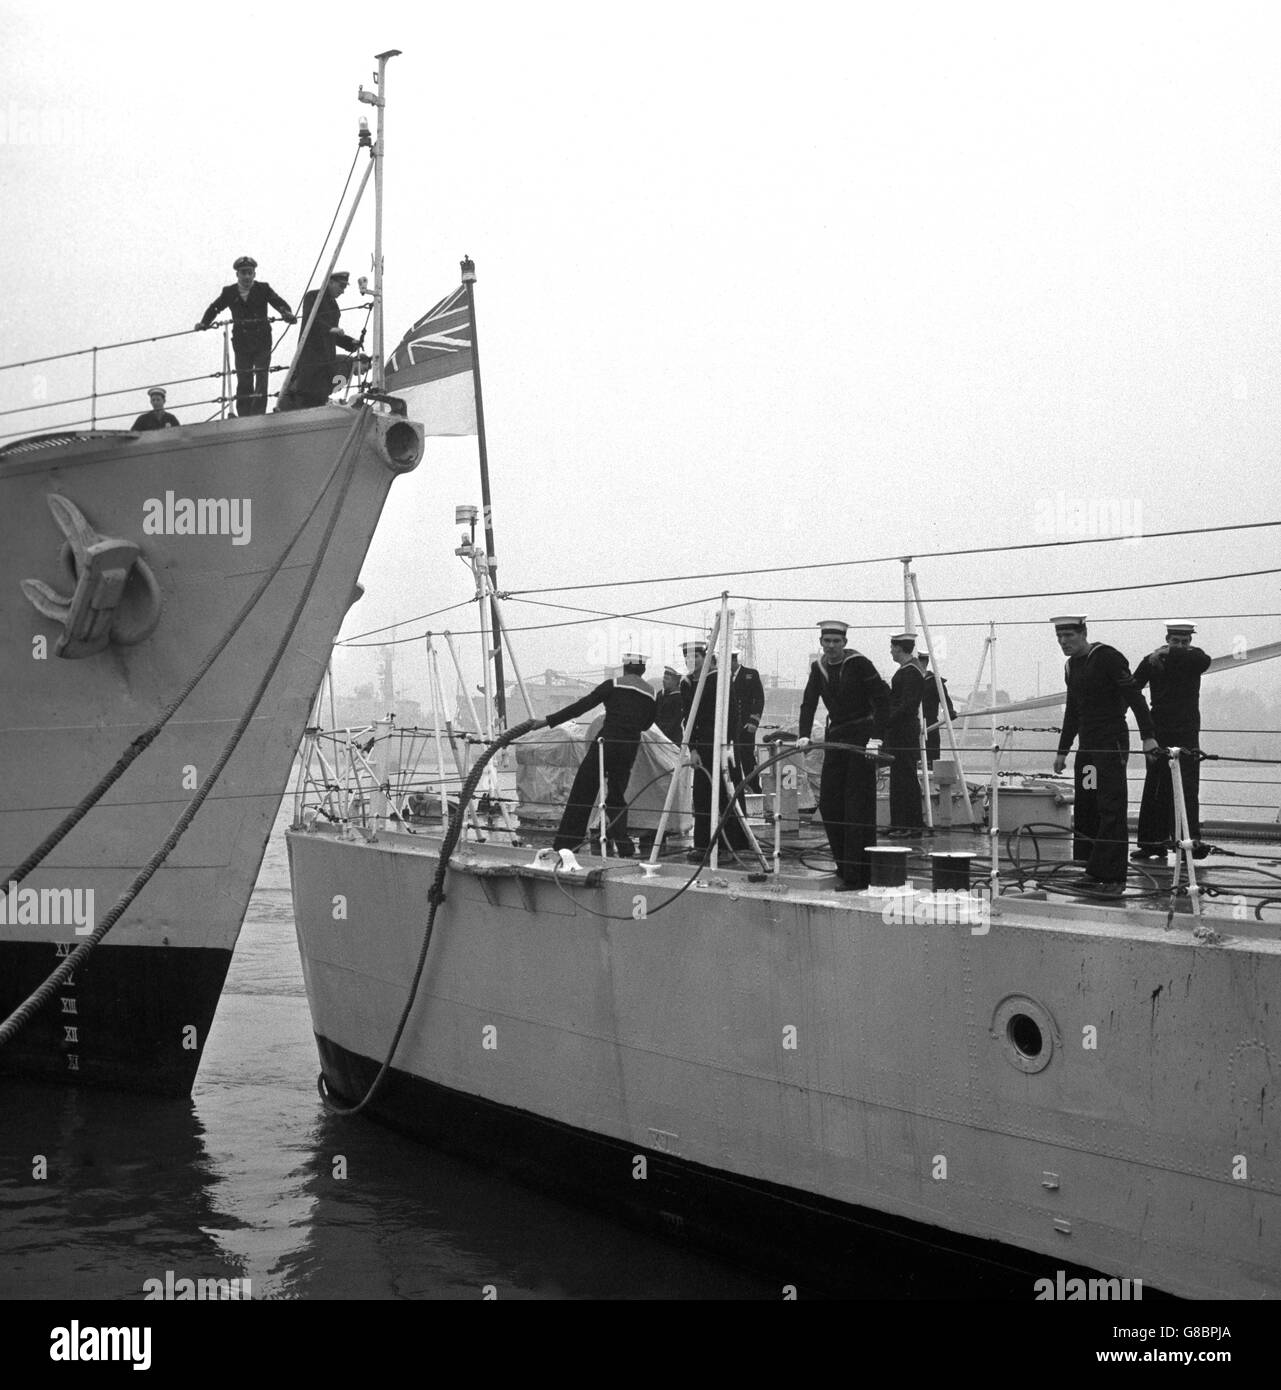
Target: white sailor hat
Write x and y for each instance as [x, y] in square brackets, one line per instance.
[736, 651]
[1178, 627]
[833, 625]
[1069, 620]
[903, 639]
[690, 648]
[634, 659]
[157, 391]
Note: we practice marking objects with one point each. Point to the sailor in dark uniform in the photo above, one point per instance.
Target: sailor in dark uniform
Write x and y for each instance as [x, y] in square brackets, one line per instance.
[667, 710]
[702, 736]
[316, 362]
[249, 301]
[157, 418]
[749, 696]
[1173, 674]
[903, 737]
[930, 709]
[629, 711]
[857, 702]
[1100, 689]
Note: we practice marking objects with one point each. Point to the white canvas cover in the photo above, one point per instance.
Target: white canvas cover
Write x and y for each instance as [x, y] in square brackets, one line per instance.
[547, 760]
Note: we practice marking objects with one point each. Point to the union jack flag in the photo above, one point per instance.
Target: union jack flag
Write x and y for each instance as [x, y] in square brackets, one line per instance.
[438, 345]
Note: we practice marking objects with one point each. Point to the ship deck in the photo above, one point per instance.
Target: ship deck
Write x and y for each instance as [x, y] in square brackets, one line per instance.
[1035, 888]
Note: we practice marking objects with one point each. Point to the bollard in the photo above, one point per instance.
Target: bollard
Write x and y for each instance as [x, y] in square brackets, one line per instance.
[950, 870]
[889, 865]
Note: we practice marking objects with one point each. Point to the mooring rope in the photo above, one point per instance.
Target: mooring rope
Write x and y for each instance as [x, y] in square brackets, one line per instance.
[39, 997]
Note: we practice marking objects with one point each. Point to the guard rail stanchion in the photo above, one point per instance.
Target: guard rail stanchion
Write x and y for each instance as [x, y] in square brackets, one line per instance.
[1183, 833]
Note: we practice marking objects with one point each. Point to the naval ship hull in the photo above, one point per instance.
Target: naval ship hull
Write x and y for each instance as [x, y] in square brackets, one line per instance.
[136, 1014]
[774, 1069]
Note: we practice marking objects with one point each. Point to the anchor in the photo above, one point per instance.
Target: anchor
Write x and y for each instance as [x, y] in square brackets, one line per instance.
[102, 566]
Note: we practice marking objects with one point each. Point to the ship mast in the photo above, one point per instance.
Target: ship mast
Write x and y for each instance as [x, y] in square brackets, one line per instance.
[468, 267]
[378, 99]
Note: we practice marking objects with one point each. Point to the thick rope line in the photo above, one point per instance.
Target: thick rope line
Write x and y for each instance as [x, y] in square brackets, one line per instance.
[435, 896]
[45, 992]
[145, 739]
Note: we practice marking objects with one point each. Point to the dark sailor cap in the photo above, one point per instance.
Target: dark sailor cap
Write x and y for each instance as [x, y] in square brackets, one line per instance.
[1071, 620]
[1177, 627]
[833, 625]
[244, 263]
[343, 275]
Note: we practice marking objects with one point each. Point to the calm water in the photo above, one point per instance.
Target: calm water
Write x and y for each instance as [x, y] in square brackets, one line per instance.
[237, 1181]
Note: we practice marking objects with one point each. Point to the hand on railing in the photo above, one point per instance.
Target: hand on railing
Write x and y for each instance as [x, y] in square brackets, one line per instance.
[232, 323]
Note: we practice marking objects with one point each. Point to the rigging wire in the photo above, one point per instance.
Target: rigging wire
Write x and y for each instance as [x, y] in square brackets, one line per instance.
[541, 627]
[1005, 598]
[311, 273]
[896, 559]
[404, 622]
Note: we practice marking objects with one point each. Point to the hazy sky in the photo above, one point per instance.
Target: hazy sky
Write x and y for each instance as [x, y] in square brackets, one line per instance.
[758, 286]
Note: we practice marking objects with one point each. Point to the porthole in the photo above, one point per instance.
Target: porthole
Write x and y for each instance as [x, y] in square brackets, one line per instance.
[1025, 1032]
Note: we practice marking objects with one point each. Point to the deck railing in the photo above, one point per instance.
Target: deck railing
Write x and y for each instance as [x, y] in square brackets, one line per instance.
[28, 418]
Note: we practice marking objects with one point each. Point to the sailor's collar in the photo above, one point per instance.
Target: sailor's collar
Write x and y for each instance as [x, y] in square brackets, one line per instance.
[827, 671]
[630, 682]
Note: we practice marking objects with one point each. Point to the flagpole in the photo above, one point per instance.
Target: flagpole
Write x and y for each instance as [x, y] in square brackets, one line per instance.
[500, 690]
